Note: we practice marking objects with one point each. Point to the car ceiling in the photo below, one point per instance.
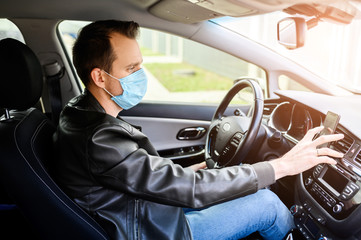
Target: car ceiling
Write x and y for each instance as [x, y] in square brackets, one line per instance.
[184, 11]
[159, 13]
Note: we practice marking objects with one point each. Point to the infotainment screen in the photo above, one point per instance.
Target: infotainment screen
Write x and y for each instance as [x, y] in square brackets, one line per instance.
[331, 178]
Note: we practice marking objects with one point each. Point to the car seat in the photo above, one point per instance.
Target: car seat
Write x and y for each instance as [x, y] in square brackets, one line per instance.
[26, 151]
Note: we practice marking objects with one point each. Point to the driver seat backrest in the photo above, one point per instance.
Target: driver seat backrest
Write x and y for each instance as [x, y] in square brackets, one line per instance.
[26, 144]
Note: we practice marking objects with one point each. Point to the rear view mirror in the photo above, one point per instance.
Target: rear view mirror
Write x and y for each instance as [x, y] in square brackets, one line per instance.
[291, 32]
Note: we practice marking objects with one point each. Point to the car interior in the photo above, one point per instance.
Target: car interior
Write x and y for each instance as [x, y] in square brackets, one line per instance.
[38, 79]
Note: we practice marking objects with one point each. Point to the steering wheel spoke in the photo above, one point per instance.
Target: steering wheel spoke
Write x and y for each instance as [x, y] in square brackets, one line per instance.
[231, 147]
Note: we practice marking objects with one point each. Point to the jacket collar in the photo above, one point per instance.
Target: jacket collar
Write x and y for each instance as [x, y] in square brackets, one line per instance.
[86, 101]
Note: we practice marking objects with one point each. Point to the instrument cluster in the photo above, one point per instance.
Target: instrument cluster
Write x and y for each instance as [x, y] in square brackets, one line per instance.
[294, 120]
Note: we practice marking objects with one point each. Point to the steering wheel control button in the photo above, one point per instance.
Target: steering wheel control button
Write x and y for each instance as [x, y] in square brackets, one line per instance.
[236, 140]
[238, 135]
[226, 151]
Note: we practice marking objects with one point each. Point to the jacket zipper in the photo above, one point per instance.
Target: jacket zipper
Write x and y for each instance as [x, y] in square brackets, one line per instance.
[136, 220]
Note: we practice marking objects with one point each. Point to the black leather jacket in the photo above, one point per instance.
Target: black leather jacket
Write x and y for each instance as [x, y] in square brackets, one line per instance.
[113, 172]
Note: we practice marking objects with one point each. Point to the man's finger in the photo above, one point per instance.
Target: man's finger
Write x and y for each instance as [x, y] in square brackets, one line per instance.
[198, 166]
[312, 132]
[325, 159]
[328, 138]
[329, 152]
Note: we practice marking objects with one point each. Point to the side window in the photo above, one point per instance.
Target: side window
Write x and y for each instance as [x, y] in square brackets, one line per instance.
[69, 32]
[180, 70]
[287, 83]
[9, 30]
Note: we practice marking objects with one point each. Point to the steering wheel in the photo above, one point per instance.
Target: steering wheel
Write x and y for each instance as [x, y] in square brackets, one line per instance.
[230, 138]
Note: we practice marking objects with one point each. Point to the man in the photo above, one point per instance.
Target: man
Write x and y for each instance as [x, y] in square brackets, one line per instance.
[113, 172]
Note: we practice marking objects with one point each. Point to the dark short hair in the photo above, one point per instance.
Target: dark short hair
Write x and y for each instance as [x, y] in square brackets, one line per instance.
[92, 49]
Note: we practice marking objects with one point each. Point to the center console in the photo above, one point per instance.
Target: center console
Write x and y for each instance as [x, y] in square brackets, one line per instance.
[334, 188]
[327, 202]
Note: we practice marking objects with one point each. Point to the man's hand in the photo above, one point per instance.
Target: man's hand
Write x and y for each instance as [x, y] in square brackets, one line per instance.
[198, 166]
[305, 154]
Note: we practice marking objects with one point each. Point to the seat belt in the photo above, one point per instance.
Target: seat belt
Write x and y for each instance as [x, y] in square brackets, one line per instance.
[54, 72]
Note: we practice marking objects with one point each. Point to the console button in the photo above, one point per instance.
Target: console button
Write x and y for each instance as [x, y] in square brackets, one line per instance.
[308, 181]
[343, 196]
[296, 210]
[323, 238]
[348, 190]
[337, 208]
[307, 206]
[317, 170]
[353, 186]
[321, 220]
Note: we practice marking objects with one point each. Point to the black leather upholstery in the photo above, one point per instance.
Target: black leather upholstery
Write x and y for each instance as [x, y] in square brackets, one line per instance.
[26, 152]
[21, 76]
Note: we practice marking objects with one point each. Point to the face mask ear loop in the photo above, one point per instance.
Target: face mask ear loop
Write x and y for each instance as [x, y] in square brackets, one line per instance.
[108, 92]
[110, 75]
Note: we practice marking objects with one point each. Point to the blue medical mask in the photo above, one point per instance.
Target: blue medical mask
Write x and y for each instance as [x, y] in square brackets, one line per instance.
[134, 88]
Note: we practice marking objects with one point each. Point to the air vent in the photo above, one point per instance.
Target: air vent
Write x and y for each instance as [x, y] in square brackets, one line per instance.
[344, 144]
[268, 108]
[358, 158]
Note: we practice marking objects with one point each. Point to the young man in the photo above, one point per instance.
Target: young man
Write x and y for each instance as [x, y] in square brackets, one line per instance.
[113, 172]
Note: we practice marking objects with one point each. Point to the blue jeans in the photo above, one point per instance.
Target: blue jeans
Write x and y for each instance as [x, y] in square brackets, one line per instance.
[262, 211]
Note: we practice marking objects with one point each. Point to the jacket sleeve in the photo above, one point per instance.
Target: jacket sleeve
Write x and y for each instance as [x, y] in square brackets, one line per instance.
[116, 161]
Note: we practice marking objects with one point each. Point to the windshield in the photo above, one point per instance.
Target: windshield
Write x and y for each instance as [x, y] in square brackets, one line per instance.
[330, 49]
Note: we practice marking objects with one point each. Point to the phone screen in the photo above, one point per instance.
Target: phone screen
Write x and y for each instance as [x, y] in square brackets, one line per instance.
[330, 125]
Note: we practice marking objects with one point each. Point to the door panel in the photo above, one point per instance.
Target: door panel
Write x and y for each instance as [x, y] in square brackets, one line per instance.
[163, 132]
[162, 123]
[174, 110]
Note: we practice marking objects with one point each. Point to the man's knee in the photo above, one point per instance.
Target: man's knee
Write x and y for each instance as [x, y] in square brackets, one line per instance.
[271, 202]
[268, 197]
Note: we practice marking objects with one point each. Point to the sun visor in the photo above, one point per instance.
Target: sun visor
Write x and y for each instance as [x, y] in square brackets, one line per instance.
[193, 11]
[182, 11]
[225, 7]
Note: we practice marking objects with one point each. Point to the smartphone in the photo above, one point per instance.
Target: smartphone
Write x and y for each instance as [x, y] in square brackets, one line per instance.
[330, 125]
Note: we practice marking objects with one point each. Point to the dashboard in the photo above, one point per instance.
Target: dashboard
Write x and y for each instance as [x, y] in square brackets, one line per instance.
[327, 198]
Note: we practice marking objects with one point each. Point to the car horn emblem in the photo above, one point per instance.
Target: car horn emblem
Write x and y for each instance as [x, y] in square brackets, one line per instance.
[226, 127]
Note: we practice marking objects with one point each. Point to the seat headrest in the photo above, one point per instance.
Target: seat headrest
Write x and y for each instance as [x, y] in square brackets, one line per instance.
[21, 75]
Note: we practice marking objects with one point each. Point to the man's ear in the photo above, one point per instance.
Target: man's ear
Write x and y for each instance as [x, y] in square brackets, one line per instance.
[97, 77]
